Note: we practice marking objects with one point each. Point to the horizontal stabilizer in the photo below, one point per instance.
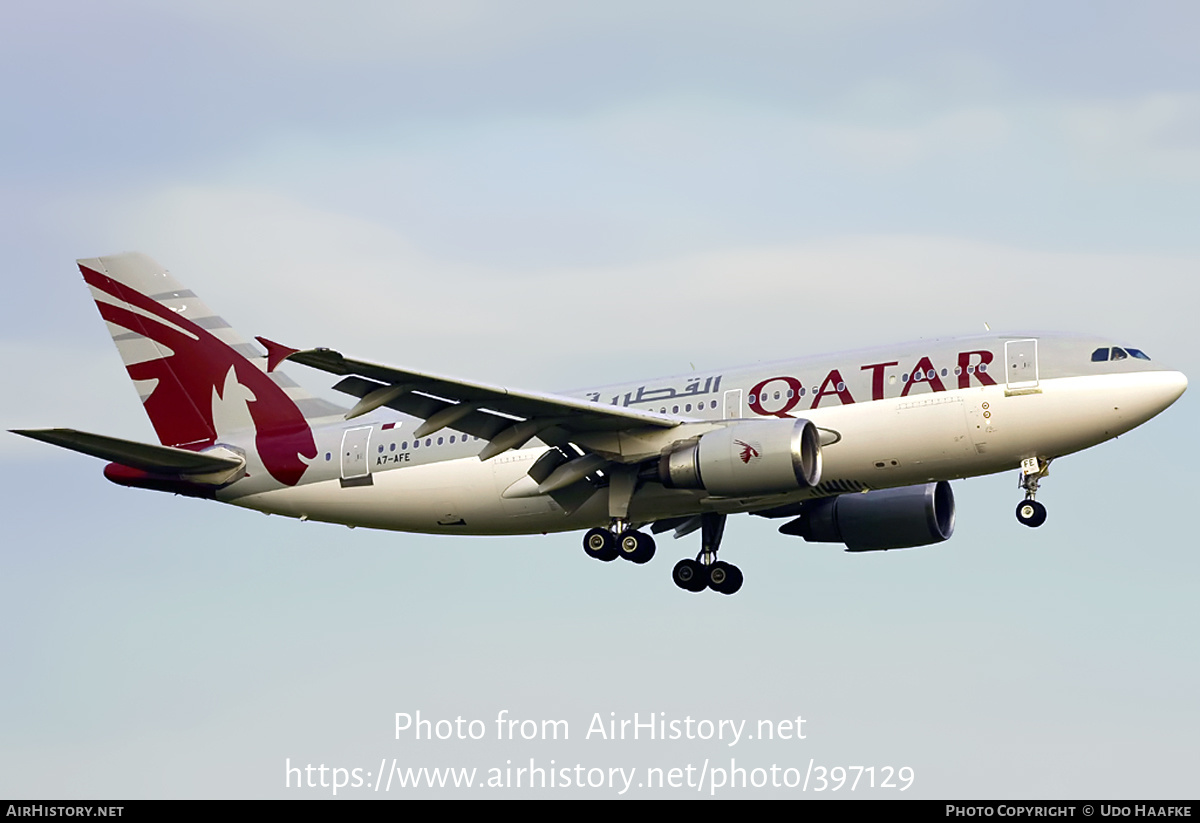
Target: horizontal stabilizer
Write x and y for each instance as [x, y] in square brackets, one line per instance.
[160, 459]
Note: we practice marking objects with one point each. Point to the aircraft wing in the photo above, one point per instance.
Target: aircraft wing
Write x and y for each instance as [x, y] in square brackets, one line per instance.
[505, 417]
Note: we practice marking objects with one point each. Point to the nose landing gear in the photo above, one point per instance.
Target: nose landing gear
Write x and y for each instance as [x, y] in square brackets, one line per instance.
[1030, 512]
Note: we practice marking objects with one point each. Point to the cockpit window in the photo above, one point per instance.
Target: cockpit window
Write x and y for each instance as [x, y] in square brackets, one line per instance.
[1105, 354]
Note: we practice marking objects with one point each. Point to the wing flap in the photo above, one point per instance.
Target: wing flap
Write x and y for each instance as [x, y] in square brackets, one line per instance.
[492, 401]
[506, 418]
[477, 423]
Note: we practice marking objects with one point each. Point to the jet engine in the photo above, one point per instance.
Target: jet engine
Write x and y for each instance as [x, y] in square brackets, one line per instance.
[750, 457]
[879, 520]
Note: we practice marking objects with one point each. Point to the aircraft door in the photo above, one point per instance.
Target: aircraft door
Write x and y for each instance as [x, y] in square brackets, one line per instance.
[354, 453]
[1021, 365]
[733, 404]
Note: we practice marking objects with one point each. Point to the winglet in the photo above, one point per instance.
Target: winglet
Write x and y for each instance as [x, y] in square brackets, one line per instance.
[276, 352]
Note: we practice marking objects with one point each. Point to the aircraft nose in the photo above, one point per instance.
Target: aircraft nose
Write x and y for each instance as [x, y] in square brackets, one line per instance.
[1147, 394]
[1172, 386]
[1164, 389]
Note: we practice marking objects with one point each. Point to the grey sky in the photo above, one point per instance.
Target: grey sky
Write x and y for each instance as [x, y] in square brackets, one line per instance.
[555, 195]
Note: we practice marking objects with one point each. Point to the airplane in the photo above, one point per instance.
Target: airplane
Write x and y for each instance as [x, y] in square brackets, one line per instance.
[855, 448]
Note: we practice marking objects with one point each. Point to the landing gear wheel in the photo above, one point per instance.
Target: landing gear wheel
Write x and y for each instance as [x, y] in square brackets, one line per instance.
[600, 544]
[635, 546]
[734, 583]
[724, 577]
[690, 575]
[1031, 513]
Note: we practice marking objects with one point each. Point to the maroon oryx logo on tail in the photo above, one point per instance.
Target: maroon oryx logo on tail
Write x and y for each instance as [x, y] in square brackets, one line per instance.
[191, 374]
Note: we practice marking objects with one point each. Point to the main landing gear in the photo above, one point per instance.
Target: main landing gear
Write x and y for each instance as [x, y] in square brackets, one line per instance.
[619, 541]
[1030, 512]
[706, 572]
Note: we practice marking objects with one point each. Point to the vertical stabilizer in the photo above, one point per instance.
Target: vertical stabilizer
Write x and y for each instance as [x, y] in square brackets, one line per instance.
[198, 378]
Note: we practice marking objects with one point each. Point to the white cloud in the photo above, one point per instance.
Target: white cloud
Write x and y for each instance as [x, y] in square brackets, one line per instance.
[1155, 136]
[383, 31]
[308, 277]
[882, 147]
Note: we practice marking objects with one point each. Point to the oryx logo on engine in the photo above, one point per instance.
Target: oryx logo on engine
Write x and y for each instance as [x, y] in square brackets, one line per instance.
[749, 452]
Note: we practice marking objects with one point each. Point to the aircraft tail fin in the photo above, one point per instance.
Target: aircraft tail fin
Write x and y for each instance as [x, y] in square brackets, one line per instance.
[197, 377]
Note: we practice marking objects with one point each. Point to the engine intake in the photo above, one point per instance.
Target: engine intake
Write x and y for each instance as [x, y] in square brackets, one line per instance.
[879, 520]
[751, 457]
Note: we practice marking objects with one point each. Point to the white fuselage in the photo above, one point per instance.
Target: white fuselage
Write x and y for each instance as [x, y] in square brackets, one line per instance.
[980, 405]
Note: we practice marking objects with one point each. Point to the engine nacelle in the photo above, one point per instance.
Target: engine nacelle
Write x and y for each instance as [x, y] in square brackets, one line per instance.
[751, 457]
[879, 520]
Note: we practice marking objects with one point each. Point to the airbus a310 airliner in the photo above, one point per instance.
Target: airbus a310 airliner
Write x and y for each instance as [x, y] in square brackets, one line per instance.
[852, 448]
